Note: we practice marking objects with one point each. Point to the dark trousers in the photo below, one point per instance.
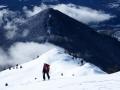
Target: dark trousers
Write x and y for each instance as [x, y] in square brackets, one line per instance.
[46, 73]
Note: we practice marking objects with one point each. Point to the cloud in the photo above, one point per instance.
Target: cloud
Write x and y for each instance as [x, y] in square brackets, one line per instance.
[80, 13]
[9, 20]
[83, 14]
[35, 10]
[7, 15]
[23, 52]
[25, 33]
[3, 57]
[10, 30]
[2, 13]
[2, 6]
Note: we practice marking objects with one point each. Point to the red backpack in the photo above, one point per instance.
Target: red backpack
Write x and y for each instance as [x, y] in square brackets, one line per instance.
[46, 67]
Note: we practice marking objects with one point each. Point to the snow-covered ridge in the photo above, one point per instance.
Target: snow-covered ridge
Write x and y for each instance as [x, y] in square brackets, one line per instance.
[75, 76]
[60, 62]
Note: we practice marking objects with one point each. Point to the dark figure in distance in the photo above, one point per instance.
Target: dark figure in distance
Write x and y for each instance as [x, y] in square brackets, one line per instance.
[9, 68]
[6, 84]
[82, 62]
[46, 69]
[21, 67]
[17, 66]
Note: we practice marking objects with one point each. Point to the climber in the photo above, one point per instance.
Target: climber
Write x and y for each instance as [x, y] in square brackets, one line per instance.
[45, 71]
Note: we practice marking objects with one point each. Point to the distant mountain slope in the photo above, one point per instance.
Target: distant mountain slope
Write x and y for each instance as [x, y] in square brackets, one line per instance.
[57, 28]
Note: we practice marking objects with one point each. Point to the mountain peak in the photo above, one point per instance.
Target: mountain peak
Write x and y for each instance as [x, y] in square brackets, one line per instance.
[49, 10]
[77, 38]
[54, 22]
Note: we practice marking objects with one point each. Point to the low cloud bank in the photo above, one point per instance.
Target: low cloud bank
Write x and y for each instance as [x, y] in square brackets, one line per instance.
[23, 52]
[80, 13]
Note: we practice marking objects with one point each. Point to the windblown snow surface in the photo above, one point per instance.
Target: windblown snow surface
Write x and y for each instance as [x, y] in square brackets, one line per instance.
[75, 76]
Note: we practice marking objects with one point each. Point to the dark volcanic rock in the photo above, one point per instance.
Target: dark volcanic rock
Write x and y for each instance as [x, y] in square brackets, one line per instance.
[55, 27]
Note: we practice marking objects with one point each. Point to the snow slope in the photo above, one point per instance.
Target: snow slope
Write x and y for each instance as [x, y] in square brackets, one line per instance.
[75, 76]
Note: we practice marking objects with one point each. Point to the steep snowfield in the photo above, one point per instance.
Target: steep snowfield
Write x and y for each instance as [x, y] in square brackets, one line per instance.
[75, 76]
